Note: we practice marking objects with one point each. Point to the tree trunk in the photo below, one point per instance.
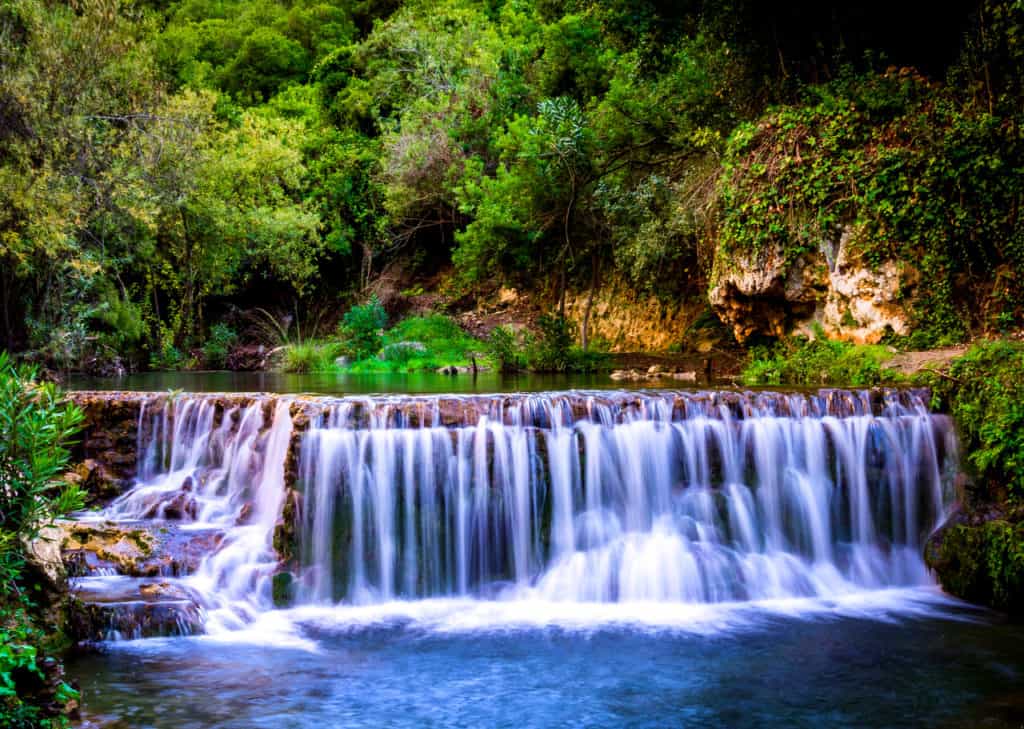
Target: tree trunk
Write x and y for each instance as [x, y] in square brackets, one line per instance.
[561, 292]
[595, 282]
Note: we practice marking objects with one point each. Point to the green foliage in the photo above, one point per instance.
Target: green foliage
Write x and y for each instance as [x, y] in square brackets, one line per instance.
[551, 349]
[895, 169]
[209, 153]
[504, 349]
[35, 429]
[311, 356]
[818, 361]
[422, 343]
[983, 563]
[215, 351]
[20, 667]
[984, 393]
[362, 328]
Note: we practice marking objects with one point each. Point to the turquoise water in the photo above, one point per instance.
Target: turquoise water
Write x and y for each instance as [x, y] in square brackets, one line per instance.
[472, 668]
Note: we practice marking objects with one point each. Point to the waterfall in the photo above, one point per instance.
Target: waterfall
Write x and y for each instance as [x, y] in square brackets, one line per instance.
[618, 497]
[204, 465]
[575, 497]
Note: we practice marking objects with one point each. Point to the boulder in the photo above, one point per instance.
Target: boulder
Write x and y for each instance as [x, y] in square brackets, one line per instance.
[44, 557]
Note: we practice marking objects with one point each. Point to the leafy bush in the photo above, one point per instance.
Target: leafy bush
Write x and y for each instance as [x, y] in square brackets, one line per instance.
[819, 361]
[550, 350]
[167, 356]
[361, 329]
[422, 343]
[984, 392]
[35, 429]
[221, 339]
[504, 349]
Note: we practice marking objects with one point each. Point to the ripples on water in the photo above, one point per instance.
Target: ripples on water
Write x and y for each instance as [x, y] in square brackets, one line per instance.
[460, 664]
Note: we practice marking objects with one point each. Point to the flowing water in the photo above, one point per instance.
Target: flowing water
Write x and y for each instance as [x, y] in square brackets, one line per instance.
[580, 558]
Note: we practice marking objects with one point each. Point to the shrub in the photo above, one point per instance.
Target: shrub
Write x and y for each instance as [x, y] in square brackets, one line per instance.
[215, 351]
[550, 351]
[35, 428]
[819, 361]
[504, 349]
[984, 392]
[361, 329]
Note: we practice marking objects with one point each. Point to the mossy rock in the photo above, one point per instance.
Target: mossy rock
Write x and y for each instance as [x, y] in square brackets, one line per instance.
[283, 589]
[982, 563]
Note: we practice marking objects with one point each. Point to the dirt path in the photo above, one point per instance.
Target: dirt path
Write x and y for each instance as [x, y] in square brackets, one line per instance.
[909, 363]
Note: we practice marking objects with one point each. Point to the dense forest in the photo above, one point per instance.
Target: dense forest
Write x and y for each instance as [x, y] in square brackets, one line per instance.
[166, 167]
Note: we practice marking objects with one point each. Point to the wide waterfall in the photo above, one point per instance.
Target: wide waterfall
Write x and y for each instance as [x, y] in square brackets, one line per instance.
[568, 498]
[677, 497]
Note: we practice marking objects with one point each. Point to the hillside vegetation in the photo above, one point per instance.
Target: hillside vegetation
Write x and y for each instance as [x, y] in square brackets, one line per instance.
[170, 167]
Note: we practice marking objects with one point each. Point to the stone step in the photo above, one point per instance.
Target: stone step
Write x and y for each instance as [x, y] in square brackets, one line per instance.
[137, 549]
[129, 608]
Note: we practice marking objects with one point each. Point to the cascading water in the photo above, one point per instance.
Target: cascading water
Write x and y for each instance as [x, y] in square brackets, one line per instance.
[210, 467]
[668, 497]
[578, 497]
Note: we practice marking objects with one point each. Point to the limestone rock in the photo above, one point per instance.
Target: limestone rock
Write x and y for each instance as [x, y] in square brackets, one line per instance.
[43, 554]
[764, 293]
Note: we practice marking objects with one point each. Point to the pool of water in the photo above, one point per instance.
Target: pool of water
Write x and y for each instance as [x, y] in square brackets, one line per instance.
[890, 661]
[367, 384]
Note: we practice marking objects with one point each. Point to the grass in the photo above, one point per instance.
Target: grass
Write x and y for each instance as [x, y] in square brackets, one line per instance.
[312, 356]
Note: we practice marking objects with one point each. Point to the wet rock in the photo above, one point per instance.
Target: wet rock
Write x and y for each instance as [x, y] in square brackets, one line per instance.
[283, 589]
[95, 620]
[180, 506]
[246, 358]
[140, 549]
[286, 530]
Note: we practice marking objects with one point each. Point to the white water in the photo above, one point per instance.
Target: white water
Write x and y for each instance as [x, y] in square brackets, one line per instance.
[649, 506]
[229, 465]
[597, 498]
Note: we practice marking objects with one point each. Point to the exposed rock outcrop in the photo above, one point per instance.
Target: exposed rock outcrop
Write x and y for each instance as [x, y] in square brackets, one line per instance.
[771, 293]
[634, 322]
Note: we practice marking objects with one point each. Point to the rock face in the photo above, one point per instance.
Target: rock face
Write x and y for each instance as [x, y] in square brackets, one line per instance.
[632, 322]
[766, 293]
[106, 451]
[976, 556]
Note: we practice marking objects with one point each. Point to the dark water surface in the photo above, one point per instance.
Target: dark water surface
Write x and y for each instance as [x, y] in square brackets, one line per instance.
[778, 671]
[368, 384]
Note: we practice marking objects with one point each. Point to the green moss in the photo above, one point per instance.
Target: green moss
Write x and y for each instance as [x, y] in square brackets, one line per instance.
[901, 168]
[983, 564]
[283, 589]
